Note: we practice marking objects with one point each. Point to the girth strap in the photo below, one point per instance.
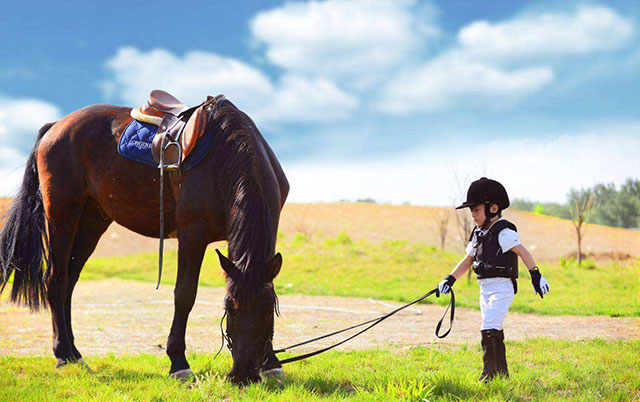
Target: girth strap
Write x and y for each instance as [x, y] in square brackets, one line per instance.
[175, 178]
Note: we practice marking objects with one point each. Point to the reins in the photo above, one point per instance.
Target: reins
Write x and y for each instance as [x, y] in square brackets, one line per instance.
[373, 323]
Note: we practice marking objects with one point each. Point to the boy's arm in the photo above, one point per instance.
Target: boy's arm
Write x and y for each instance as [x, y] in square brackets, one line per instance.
[525, 255]
[540, 285]
[461, 267]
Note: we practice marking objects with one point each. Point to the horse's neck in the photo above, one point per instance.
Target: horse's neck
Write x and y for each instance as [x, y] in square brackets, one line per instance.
[251, 237]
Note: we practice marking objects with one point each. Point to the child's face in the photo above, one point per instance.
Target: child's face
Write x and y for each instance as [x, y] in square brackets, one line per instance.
[478, 215]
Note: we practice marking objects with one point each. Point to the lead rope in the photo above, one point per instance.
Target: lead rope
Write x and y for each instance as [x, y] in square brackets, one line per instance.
[373, 323]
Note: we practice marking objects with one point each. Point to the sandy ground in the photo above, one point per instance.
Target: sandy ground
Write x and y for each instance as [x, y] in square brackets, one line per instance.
[124, 317]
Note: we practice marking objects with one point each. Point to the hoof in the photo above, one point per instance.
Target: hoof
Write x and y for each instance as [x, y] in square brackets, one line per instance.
[273, 373]
[184, 374]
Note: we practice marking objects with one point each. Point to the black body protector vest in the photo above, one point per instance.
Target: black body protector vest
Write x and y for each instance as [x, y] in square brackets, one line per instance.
[488, 260]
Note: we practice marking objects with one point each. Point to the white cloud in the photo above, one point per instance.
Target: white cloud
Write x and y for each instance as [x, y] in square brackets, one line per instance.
[20, 120]
[587, 30]
[453, 80]
[351, 37]
[302, 99]
[12, 164]
[534, 169]
[475, 72]
[190, 78]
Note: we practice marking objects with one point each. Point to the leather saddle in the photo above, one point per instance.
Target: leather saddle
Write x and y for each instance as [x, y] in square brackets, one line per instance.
[179, 126]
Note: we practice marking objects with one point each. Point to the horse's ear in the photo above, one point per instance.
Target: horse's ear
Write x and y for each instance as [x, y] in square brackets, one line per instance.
[228, 266]
[275, 265]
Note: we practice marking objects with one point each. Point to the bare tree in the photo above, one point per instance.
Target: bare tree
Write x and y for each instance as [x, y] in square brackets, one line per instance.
[304, 224]
[464, 223]
[441, 225]
[581, 207]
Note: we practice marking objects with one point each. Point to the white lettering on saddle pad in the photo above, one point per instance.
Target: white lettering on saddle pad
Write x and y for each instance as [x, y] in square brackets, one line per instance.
[140, 144]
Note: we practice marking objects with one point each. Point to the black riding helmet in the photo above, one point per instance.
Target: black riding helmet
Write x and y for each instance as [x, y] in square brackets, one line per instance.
[486, 191]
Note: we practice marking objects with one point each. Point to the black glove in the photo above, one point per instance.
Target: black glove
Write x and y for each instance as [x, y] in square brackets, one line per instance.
[540, 285]
[446, 284]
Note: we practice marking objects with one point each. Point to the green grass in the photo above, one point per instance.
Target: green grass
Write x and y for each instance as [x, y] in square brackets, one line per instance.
[401, 271]
[540, 370]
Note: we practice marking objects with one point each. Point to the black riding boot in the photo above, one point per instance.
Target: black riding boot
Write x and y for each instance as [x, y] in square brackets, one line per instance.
[489, 357]
[493, 354]
[503, 369]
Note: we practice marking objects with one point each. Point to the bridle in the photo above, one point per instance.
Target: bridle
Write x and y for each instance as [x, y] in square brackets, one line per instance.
[451, 307]
[225, 334]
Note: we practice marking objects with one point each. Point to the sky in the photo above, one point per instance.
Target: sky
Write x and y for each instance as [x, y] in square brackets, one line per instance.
[399, 101]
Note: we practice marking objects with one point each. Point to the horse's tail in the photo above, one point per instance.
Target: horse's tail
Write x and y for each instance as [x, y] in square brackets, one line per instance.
[23, 239]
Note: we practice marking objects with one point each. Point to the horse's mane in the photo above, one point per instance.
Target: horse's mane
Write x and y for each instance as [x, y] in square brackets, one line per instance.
[249, 230]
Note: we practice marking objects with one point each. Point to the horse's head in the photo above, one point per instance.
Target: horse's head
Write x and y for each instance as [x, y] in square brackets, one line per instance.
[249, 320]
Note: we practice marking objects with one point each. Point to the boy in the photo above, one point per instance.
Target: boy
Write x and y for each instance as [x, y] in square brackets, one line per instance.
[493, 251]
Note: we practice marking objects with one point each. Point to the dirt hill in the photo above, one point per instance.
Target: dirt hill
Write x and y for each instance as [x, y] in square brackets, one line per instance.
[549, 238]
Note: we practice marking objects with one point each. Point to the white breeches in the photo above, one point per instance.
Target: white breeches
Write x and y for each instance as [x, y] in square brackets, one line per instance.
[496, 296]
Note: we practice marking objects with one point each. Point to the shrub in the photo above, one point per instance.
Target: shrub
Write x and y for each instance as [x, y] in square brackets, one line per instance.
[299, 238]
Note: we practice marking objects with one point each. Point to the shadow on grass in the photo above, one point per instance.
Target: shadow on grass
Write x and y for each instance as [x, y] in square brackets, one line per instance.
[449, 388]
[314, 385]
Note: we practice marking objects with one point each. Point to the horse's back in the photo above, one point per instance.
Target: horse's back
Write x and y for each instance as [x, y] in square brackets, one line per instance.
[78, 159]
[82, 130]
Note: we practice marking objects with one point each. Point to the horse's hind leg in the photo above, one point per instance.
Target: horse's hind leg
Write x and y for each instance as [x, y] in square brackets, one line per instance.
[63, 219]
[93, 223]
[64, 199]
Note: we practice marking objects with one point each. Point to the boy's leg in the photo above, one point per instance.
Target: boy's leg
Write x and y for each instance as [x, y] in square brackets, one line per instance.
[489, 358]
[493, 354]
[495, 300]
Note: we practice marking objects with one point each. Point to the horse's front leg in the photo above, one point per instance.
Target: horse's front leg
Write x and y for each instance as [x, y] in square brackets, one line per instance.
[191, 248]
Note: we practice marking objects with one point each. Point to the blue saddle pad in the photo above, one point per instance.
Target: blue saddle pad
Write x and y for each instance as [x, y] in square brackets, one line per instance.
[135, 144]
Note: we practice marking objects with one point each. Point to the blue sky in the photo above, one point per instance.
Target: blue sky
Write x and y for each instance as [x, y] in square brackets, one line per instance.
[396, 100]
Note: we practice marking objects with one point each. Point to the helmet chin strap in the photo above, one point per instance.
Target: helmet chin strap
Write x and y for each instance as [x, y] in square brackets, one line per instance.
[488, 215]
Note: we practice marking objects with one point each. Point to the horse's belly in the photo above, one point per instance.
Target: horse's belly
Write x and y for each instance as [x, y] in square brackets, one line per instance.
[129, 193]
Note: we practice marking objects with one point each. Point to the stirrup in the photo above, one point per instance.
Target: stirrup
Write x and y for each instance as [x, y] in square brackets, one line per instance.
[170, 167]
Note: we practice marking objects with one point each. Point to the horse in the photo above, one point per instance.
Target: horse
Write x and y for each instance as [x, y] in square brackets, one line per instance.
[76, 184]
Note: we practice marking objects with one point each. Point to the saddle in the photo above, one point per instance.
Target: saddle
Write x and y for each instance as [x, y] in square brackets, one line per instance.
[179, 126]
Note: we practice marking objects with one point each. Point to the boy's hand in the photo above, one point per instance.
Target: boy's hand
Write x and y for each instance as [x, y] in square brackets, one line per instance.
[445, 286]
[540, 285]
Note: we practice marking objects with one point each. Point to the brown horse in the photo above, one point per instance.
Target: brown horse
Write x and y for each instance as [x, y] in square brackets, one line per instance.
[76, 184]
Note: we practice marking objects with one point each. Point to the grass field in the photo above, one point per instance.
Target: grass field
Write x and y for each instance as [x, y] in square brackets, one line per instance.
[322, 262]
[540, 370]
[397, 270]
